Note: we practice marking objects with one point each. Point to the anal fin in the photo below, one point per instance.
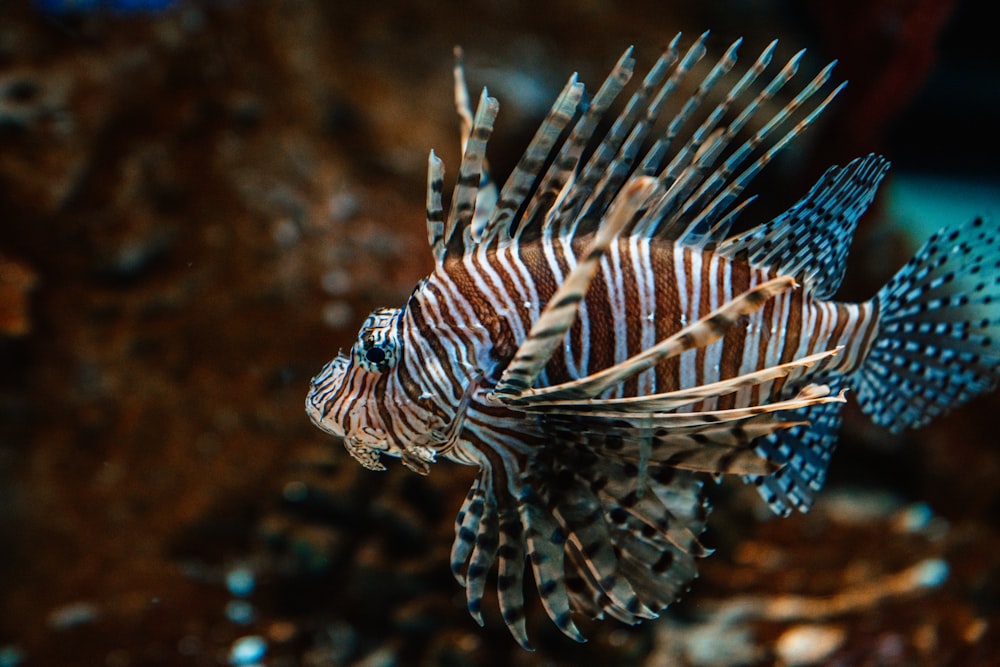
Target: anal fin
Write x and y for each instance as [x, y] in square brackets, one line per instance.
[804, 452]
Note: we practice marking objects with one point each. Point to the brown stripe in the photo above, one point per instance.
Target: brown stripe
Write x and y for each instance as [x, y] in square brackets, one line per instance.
[668, 312]
[793, 325]
[734, 344]
[767, 316]
[533, 258]
[415, 312]
[705, 306]
[632, 326]
[792, 333]
[602, 327]
[484, 311]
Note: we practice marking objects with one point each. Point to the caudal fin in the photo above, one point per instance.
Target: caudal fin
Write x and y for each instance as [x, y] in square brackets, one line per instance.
[938, 340]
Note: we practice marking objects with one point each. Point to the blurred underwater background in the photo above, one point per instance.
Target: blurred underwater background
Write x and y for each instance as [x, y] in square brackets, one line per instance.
[200, 201]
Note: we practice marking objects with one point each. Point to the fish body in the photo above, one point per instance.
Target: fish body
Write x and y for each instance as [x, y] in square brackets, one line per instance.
[644, 291]
[596, 341]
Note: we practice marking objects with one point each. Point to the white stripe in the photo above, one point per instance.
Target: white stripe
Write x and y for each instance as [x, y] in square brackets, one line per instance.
[680, 278]
[490, 285]
[423, 363]
[645, 289]
[688, 359]
[754, 326]
[713, 353]
[611, 270]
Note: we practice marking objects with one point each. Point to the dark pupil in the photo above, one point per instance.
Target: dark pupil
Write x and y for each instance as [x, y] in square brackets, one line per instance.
[375, 355]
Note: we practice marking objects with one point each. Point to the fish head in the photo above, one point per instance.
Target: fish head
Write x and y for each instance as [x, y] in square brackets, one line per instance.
[359, 397]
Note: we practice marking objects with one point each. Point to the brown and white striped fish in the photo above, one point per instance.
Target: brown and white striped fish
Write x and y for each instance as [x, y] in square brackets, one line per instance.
[597, 343]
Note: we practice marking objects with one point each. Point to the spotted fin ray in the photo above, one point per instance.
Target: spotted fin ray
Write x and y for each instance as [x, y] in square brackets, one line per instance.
[673, 400]
[600, 503]
[811, 239]
[554, 191]
[721, 441]
[486, 193]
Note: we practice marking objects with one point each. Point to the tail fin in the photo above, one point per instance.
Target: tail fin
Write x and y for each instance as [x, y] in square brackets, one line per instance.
[938, 340]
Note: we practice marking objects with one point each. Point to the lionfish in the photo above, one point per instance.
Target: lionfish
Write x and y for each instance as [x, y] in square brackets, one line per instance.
[595, 340]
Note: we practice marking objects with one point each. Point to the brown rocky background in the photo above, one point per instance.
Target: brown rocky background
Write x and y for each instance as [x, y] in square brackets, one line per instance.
[199, 206]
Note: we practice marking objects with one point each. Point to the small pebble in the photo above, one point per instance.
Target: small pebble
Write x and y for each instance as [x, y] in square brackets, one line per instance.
[72, 615]
[129, 258]
[914, 518]
[295, 491]
[809, 644]
[285, 233]
[860, 506]
[240, 611]
[240, 581]
[247, 650]
[337, 282]
[383, 657]
[973, 632]
[282, 631]
[720, 643]
[337, 314]
[931, 573]
[343, 206]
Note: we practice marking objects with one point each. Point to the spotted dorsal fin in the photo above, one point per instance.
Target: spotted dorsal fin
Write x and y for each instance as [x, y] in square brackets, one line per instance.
[811, 239]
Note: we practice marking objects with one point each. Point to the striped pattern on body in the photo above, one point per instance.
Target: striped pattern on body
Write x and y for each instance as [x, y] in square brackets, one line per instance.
[644, 292]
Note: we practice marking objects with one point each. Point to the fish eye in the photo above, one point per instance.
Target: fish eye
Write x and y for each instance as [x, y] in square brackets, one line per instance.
[378, 343]
[375, 355]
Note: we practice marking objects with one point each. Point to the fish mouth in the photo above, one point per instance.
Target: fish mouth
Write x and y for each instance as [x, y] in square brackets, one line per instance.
[316, 409]
[323, 388]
